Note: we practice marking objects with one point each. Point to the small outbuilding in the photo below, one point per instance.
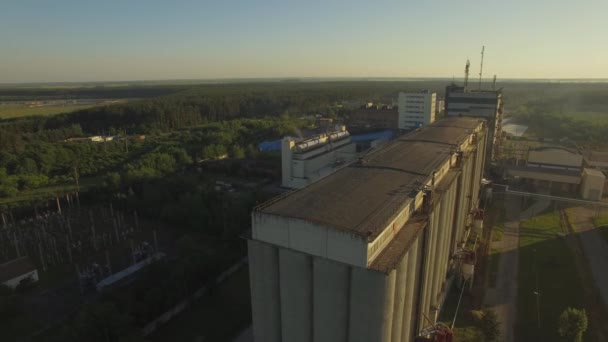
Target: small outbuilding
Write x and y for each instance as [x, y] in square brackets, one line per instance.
[592, 185]
[13, 272]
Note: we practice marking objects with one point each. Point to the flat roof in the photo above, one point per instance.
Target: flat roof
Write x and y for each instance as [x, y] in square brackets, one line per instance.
[362, 198]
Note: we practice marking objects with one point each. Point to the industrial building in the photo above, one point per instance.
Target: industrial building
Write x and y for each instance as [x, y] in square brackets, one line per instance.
[596, 159]
[373, 115]
[369, 252]
[551, 167]
[487, 104]
[416, 109]
[560, 170]
[592, 184]
[305, 161]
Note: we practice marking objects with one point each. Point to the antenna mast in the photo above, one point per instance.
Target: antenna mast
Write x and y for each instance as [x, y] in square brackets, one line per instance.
[466, 74]
[481, 67]
[494, 83]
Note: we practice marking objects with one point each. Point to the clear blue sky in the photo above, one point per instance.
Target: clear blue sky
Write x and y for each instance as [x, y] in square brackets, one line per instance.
[82, 40]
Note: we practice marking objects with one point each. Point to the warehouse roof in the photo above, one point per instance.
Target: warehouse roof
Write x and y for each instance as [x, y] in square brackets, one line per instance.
[364, 196]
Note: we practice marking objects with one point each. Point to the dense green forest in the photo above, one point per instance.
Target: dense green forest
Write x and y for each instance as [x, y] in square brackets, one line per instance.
[189, 122]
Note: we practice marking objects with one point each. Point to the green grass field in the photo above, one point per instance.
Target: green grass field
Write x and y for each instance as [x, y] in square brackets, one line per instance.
[542, 251]
[7, 112]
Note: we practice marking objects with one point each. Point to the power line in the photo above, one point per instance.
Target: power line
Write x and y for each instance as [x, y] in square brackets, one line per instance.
[458, 305]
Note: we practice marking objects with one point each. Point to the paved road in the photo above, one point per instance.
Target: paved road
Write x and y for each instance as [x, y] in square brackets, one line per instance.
[504, 297]
[594, 246]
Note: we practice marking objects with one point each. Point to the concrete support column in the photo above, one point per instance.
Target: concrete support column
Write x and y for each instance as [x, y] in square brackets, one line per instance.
[389, 305]
[366, 320]
[436, 249]
[331, 285]
[452, 231]
[265, 300]
[427, 288]
[409, 314]
[401, 285]
[295, 270]
[449, 231]
[449, 228]
[445, 237]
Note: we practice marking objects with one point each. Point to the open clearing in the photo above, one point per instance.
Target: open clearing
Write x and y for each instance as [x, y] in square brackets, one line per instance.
[7, 112]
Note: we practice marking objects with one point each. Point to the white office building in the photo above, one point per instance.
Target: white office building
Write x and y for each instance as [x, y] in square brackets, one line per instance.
[416, 109]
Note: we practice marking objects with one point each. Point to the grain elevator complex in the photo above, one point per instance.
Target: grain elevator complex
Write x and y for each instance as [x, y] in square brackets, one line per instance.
[368, 253]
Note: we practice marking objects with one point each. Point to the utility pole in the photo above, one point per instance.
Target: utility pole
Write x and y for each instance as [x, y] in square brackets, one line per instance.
[537, 293]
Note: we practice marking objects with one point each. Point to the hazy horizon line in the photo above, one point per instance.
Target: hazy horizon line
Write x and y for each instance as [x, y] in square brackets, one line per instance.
[305, 78]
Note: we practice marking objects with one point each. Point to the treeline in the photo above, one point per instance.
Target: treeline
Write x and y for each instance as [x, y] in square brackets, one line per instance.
[86, 92]
[203, 104]
[123, 162]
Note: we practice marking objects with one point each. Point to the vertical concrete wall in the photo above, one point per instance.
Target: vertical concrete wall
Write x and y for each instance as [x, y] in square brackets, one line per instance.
[264, 284]
[295, 274]
[367, 300]
[410, 313]
[458, 205]
[331, 305]
[429, 262]
[400, 292]
[446, 251]
[436, 252]
[310, 238]
[389, 305]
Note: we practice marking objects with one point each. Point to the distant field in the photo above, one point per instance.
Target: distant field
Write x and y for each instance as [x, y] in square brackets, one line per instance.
[592, 116]
[7, 112]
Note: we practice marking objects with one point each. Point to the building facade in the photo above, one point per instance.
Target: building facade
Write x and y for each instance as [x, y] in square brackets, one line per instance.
[306, 161]
[592, 184]
[551, 167]
[375, 116]
[369, 252]
[416, 109]
[487, 104]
